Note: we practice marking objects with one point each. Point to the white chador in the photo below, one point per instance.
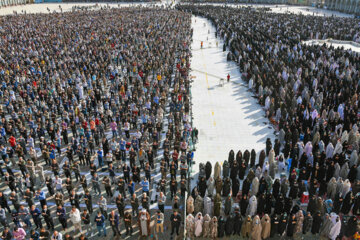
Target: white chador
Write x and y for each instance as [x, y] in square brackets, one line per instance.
[254, 187]
[252, 206]
[207, 206]
[198, 224]
[335, 230]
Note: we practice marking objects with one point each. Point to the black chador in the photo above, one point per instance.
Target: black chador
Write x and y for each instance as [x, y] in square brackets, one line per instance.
[242, 170]
[274, 226]
[276, 188]
[229, 228]
[291, 226]
[348, 202]
[282, 224]
[221, 227]
[317, 221]
[244, 202]
[338, 203]
[235, 186]
[246, 187]
[279, 205]
[308, 221]
[234, 170]
[208, 170]
[237, 221]
[226, 187]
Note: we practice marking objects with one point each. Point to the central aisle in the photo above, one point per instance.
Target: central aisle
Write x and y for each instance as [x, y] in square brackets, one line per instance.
[227, 117]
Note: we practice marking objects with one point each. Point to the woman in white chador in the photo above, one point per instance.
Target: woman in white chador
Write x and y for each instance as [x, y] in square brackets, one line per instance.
[346, 187]
[254, 187]
[329, 150]
[252, 206]
[198, 224]
[335, 230]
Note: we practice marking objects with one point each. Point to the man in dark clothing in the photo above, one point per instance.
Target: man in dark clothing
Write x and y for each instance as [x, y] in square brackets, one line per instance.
[114, 222]
[88, 201]
[128, 224]
[85, 217]
[36, 215]
[120, 204]
[47, 217]
[3, 202]
[175, 222]
[121, 187]
[75, 199]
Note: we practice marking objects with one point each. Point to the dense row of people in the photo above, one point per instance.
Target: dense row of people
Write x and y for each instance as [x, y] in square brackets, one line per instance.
[266, 208]
[310, 95]
[127, 1]
[84, 99]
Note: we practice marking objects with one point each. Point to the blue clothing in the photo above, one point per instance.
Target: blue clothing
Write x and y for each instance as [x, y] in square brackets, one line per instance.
[145, 186]
[100, 153]
[103, 228]
[116, 219]
[52, 154]
[62, 213]
[100, 157]
[100, 220]
[35, 213]
[131, 188]
[135, 144]
[42, 196]
[3, 133]
[329, 205]
[35, 236]
[122, 145]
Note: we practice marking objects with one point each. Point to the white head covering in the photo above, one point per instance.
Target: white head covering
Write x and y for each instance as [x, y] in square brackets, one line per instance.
[335, 230]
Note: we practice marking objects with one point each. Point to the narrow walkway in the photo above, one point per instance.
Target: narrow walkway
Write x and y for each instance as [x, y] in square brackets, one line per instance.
[227, 117]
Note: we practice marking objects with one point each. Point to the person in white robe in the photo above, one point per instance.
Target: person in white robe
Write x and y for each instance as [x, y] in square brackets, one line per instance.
[335, 230]
[198, 224]
[252, 206]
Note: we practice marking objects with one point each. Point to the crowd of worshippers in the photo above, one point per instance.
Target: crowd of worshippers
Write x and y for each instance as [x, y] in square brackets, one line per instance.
[241, 198]
[107, 1]
[83, 104]
[310, 94]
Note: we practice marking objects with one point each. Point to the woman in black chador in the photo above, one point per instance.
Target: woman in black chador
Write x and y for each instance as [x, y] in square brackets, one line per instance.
[291, 226]
[260, 204]
[235, 186]
[237, 221]
[208, 170]
[348, 202]
[242, 170]
[226, 187]
[279, 205]
[351, 227]
[244, 202]
[275, 221]
[246, 187]
[317, 221]
[252, 158]
[229, 228]
[231, 157]
[307, 225]
[268, 203]
[338, 202]
[276, 188]
[283, 223]
[234, 170]
[221, 227]
[239, 157]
